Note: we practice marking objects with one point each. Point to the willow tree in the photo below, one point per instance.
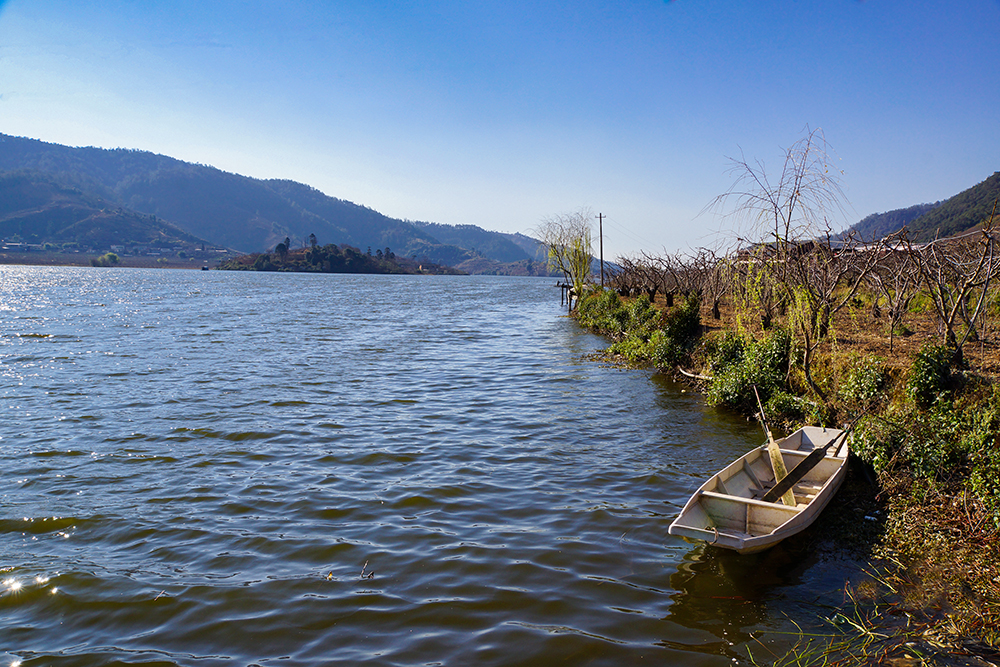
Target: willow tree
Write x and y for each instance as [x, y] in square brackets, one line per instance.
[567, 241]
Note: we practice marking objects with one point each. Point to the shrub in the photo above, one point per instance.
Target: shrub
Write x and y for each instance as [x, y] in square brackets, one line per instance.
[633, 349]
[921, 442]
[772, 353]
[930, 376]
[663, 350]
[107, 259]
[683, 323]
[879, 442]
[934, 449]
[642, 318]
[669, 345]
[725, 351]
[641, 332]
[789, 408]
[945, 442]
[263, 263]
[863, 384]
[603, 312]
[762, 364]
[982, 442]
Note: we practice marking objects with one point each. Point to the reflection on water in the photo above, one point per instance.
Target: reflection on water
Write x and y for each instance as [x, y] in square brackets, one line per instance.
[718, 597]
[764, 600]
[209, 468]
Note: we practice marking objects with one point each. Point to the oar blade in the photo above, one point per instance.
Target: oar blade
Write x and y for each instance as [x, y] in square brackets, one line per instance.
[780, 472]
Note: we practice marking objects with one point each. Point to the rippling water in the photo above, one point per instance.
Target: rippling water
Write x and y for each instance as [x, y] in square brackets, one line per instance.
[209, 468]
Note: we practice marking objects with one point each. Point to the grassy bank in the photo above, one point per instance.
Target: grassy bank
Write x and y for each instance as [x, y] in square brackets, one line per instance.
[927, 447]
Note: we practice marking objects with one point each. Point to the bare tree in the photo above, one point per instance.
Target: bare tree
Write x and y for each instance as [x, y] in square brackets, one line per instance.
[680, 275]
[644, 274]
[894, 278]
[668, 270]
[624, 279]
[790, 260]
[955, 270]
[754, 287]
[819, 281]
[714, 277]
[794, 208]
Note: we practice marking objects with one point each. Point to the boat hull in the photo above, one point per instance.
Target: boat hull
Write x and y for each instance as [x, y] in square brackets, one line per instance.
[727, 510]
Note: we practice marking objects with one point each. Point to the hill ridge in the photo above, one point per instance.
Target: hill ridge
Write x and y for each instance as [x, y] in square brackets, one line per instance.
[244, 213]
[925, 222]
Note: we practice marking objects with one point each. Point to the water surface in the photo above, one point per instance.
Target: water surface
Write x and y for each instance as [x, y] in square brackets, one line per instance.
[209, 468]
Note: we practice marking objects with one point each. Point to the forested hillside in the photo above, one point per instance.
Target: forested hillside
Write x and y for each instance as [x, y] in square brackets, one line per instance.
[960, 213]
[36, 209]
[481, 242]
[238, 212]
[879, 225]
[925, 222]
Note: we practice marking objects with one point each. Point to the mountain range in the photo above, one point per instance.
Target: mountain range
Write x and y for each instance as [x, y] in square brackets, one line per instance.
[96, 197]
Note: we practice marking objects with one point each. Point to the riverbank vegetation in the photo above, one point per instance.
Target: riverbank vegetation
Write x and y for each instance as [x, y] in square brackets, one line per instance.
[107, 259]
[902, 335]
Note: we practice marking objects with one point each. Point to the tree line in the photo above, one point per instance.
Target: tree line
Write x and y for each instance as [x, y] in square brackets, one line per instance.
[784, 306]
[782, 263]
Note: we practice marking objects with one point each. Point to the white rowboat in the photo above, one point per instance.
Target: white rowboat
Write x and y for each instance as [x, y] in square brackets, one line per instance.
[727, 510]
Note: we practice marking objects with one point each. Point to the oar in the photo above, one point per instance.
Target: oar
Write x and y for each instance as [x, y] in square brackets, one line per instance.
[784, 485]
[777, 462]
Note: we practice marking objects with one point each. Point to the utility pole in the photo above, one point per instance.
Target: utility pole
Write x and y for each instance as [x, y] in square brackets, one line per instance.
[600, 235]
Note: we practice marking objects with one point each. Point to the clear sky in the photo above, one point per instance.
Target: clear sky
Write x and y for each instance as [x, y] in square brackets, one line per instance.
[499, 114]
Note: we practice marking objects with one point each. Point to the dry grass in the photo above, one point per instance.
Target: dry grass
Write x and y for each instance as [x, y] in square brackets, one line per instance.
[858, 333]
[951, 552]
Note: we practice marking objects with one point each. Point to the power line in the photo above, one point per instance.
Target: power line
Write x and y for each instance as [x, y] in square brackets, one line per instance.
[627, 232]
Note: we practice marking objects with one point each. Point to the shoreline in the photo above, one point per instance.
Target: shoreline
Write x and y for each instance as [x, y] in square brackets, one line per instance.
[42, 258]
[934, 542]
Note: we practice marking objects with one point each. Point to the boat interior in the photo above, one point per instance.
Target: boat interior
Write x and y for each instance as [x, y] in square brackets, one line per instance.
[730, 502]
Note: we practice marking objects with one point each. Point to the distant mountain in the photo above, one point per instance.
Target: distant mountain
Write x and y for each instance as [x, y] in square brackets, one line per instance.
[533, 247]
[880, 225]
[35, 209]
[960, 213]
[238, 212]
[481, 242]
[525, 267]
[925, 222]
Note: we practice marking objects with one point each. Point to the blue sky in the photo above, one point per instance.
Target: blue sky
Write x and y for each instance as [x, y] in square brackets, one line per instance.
[501, 114]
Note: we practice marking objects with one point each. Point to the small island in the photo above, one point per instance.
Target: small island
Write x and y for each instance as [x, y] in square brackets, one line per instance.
[333, 258]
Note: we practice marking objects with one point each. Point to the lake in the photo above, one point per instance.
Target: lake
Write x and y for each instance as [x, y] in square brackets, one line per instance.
[213, 468]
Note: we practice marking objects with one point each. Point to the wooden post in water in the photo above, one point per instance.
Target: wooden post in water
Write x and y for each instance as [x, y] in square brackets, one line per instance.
[565, 295]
